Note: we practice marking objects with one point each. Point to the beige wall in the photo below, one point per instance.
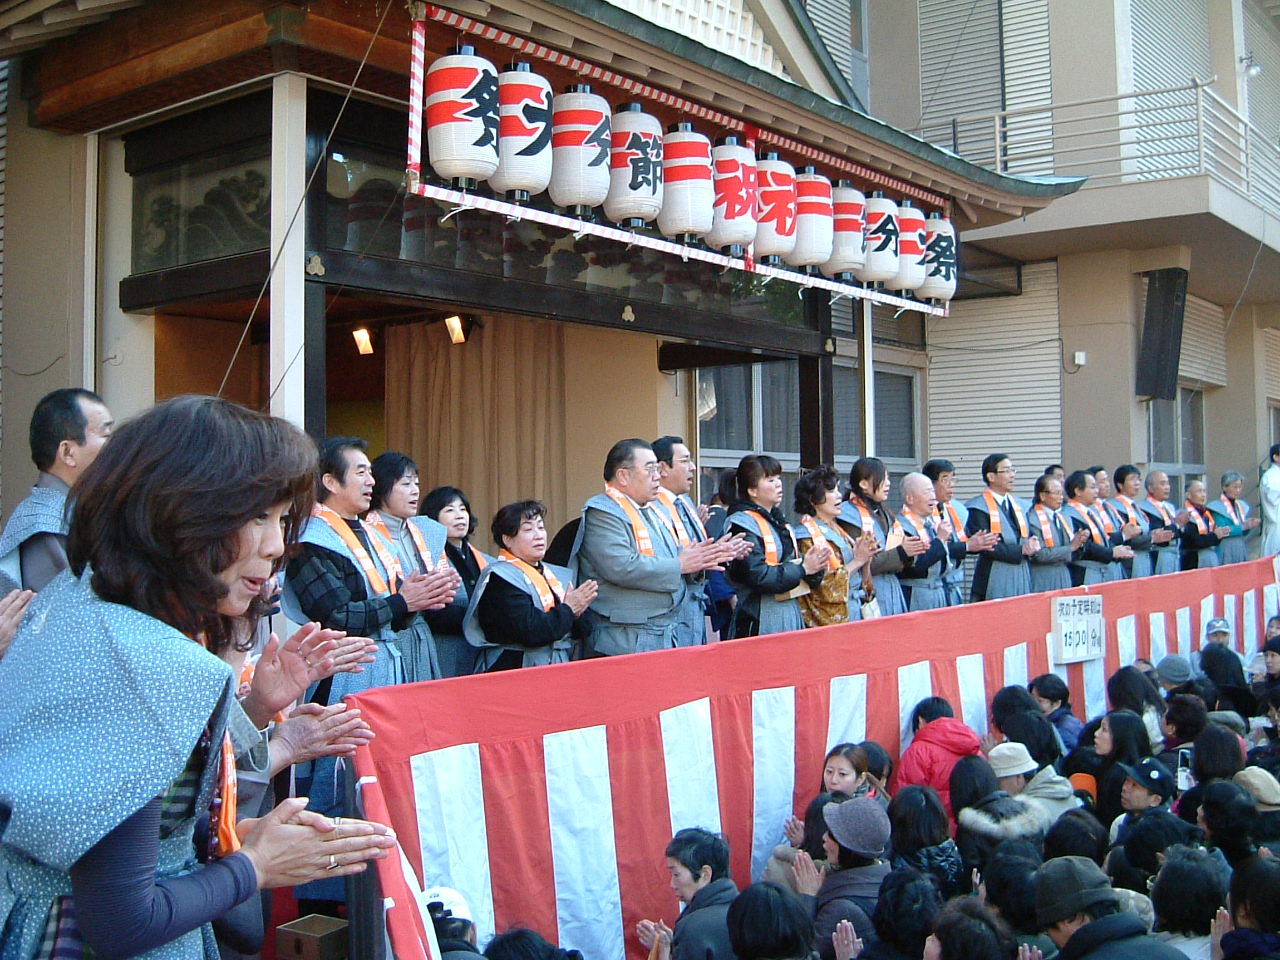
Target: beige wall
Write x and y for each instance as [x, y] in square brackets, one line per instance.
[44, 283]
[1236, 420]
[613, 390]
[893, 32]
[1102, 422]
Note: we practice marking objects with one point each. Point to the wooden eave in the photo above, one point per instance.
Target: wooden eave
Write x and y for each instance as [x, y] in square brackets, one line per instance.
[156, 57]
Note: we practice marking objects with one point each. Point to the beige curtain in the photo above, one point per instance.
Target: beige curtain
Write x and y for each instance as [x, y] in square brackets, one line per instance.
[486, 416]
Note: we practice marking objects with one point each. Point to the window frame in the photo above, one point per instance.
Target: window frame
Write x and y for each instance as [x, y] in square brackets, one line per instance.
[1180, 472]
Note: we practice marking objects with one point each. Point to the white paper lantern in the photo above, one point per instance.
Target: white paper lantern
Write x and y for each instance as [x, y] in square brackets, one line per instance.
[775, 209]
[524, 134]
[882, 240]
[688, 193]
[580, 141]
[848, 250]
[462, 117]
[635, 167]
[815, 222]
[939, 259]
[733, 172]
[911, 240]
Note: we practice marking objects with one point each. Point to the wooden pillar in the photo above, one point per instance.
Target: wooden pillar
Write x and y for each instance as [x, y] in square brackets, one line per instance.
[866, 377]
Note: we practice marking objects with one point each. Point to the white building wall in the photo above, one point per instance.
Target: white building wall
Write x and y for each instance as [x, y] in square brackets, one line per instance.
[723, 25]
[995, 381]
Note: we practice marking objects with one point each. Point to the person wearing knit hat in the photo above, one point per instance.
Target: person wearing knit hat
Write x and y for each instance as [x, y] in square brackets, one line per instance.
[857, 834]
[1082, 915]
[1173, 671]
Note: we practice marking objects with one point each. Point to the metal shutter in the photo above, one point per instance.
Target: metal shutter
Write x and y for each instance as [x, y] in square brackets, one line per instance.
[1028, 82]
[1159, 27]
[1263, 41]
[726, 26]
[959, 71]
[1204, 343]
[1271, 338]
[833, 19]
[999, 354]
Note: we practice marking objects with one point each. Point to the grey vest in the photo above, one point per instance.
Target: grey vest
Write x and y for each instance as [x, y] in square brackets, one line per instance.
[558, 652]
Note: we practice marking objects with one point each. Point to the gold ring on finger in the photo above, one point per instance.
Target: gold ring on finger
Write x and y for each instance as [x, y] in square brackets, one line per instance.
[333, 862]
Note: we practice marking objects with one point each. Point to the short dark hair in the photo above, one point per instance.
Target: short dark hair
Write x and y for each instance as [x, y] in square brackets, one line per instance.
[524, 944]
[906, 908]
[1275, 451]
[1036, 733]
[1154, 833]
[1011, 889]
[159, 512]
[1123, 473]
[664, 448]
[1256, 883]
[1051, 687]
[1011, 700]
[928, 710]
[506, 522]
[812, 486]
[620, 454]
[58, 416]
[1216, 754]
[1096, 469]
[967, 929]
[448, 927]
[695, 848]
[972, 780]
[935, 468]
[388, 468]
[768, 922]
[727, 486]
[1052, 468]
[917, 820]
[1188, 890]
[1230, 819]
[1131, 689]
[1187, 714]
[879, 763]
[991, 463]
[333, 461]
[1077, 833]
[441, 497]
[1042, 485]
[753, 468]
[1076, 481]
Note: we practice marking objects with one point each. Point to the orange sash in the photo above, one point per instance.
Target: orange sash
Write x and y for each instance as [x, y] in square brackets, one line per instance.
[1094, 530]
[956, 526]
[1046, 525]
[549, 587]
[1201, 525]
[374, 519]
[668, 500]
[820, 540]
[1233, 511]
[481, 562]
[770, 541]
[1166, 511]
[921, 530]
[1104, 515]
[869, 520]
[644, 543]
[1130, 509]
[222, 812]
[348, 536]
[997, 518]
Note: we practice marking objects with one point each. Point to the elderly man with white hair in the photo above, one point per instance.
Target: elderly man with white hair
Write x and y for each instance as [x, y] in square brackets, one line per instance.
[923, 583]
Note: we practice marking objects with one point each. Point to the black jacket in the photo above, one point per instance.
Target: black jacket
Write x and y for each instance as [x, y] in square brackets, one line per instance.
[993, 820]
[702, 932]
[758, 576]
[1121, 936]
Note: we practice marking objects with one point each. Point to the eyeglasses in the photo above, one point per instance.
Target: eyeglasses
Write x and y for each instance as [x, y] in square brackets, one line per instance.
[1007, 470]
[650, 468]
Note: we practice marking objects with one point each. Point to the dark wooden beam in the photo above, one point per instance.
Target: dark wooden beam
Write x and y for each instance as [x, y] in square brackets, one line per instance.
[689, 356]
[817, 385]
[241, 274]
[314, 391]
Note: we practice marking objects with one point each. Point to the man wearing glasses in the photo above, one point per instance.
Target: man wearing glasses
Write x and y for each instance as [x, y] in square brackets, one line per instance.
[633, 554]
[1003, 570]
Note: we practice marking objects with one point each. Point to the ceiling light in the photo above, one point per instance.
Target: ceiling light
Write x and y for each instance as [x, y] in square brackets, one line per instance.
[364, 343]
[458, 328]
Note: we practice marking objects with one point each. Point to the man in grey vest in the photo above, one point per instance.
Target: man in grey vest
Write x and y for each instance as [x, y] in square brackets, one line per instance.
[676, 476]
[632, 553]
[68, 428]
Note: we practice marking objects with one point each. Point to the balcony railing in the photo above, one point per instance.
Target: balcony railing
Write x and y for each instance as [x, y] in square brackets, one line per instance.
[1147, 135]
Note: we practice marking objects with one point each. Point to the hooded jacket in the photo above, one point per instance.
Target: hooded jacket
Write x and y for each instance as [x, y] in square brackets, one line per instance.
[702, 932]
[933, 753]
[846, 895]
[1049, 795]
[994, 819]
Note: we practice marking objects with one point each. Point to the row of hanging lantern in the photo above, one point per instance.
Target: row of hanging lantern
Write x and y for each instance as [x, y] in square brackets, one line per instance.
[508, 128]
